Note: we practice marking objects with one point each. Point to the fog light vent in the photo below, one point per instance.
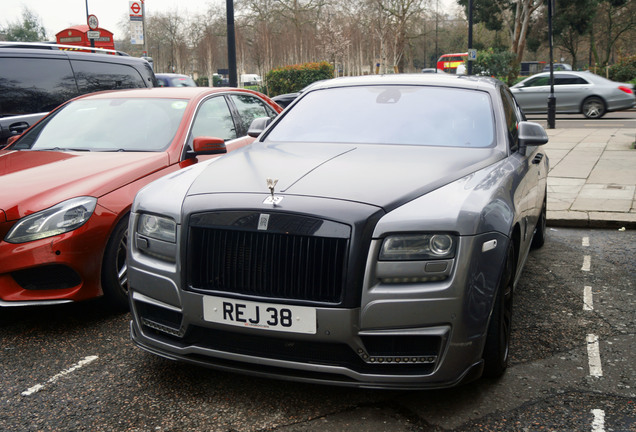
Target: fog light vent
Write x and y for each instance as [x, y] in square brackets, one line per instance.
[400, 349]
[160, 319]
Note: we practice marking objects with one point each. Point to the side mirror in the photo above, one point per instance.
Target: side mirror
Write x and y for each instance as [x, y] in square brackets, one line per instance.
[258, 126]
[531, 134]
[207, 146]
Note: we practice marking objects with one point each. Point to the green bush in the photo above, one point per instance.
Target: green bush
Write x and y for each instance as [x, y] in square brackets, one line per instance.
[624, 70]
[290, 79]
[202, 81]
[500, 64]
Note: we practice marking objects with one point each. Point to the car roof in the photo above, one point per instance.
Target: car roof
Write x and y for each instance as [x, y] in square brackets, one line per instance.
[446, 80]
[163, 92]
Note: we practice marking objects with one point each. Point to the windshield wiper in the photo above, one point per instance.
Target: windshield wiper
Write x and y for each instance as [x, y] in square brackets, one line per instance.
[64, 149]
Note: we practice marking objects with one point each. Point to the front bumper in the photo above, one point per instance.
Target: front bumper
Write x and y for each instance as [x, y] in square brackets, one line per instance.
[54, 270]
[410, 335]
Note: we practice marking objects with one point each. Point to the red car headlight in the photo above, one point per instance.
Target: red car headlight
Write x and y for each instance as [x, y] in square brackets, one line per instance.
[63, 217]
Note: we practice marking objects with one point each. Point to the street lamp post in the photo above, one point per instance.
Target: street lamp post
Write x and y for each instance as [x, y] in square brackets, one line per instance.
[469, 66]
[231, 44]
[551, 98]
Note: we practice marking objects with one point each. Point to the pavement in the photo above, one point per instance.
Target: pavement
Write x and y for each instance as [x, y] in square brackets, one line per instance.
[592, 178]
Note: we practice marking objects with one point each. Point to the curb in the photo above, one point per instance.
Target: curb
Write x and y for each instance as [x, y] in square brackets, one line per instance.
[567, 219]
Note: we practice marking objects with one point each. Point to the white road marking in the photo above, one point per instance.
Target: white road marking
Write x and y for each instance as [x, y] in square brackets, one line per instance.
[587, 263]
[586, 241]
[594, 356]
[588, 299]
[598, 424]
[36, 388]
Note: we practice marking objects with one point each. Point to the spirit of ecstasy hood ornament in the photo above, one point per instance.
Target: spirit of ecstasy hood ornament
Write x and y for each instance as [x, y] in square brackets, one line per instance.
[271, 183]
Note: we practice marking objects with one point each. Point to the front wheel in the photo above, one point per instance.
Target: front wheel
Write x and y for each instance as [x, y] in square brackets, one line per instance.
[115, 267]
[497, 345]
[593, 108]
[538, 239]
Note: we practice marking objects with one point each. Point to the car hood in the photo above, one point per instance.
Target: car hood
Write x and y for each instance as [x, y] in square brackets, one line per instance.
[380, 175]
[35, 180]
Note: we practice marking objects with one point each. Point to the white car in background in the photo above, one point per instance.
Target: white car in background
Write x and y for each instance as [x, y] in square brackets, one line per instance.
[575, 92]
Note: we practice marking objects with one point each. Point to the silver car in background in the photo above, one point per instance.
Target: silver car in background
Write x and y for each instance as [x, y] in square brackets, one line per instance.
[372, 236]
[575, 92]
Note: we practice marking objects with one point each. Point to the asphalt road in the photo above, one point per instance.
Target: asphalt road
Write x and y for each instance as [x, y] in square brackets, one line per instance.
[573, 367]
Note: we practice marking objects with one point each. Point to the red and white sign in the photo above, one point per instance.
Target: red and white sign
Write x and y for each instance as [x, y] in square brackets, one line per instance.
[135, 9]
[92, 21]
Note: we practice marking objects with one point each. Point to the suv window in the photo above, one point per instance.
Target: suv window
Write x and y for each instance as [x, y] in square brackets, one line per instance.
[95, 76]
[35, 79]
[33, 85]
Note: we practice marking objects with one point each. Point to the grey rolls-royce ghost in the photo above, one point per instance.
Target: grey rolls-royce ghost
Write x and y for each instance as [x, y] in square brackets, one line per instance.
[372, 236]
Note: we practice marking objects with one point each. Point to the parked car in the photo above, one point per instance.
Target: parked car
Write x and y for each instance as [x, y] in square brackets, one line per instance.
[557, 67]
[174, 80]
[37, 77]
[575, 92]
[71, 178]
[372, 236]
[286, 99]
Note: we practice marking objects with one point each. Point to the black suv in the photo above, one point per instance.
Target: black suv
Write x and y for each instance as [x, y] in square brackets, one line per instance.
[35, 78]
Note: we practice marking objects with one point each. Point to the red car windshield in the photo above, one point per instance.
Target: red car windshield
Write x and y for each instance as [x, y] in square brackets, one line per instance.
[134, 124]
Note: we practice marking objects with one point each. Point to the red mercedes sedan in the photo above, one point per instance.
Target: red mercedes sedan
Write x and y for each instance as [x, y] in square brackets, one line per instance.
[69, 181]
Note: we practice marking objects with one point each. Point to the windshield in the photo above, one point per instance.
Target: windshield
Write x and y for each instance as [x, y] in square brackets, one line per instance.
[402, 115]
[117, 124]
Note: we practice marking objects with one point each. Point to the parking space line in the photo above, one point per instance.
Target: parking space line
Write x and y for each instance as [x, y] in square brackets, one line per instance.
[598, 424]
[588, 299]
[594, 356]
[587, 263]
[36, 388]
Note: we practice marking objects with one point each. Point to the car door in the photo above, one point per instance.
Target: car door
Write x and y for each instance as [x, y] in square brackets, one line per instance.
[570, 90]
[533, 96]
[527, 195]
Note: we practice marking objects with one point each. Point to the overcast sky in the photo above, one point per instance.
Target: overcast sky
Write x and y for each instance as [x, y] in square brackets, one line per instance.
[57, 15]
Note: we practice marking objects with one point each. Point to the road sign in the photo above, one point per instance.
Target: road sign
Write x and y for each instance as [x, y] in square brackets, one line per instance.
[92, 34]
[472, 54]
[135, 9]
[92, 21]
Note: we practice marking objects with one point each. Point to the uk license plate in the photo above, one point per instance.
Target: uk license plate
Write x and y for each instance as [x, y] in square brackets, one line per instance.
[269, 316]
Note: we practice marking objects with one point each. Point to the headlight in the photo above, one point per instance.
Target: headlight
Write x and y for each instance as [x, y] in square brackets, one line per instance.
[63, 217]
[157, 227]
[418, 247]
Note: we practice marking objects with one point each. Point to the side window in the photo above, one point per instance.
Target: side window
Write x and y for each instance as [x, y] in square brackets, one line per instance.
[214, 119]
[513, 117]
[95, 76]
[539, 81]
[250, 107]
[33, 85]
[568, 80]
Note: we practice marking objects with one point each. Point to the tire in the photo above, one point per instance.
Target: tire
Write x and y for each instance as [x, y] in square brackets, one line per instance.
[497, 345]
[593, 108]
[538, 239]
[115, 268]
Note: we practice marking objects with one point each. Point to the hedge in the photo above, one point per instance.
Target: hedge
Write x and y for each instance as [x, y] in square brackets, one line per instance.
[290, 79]
[624, 70]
